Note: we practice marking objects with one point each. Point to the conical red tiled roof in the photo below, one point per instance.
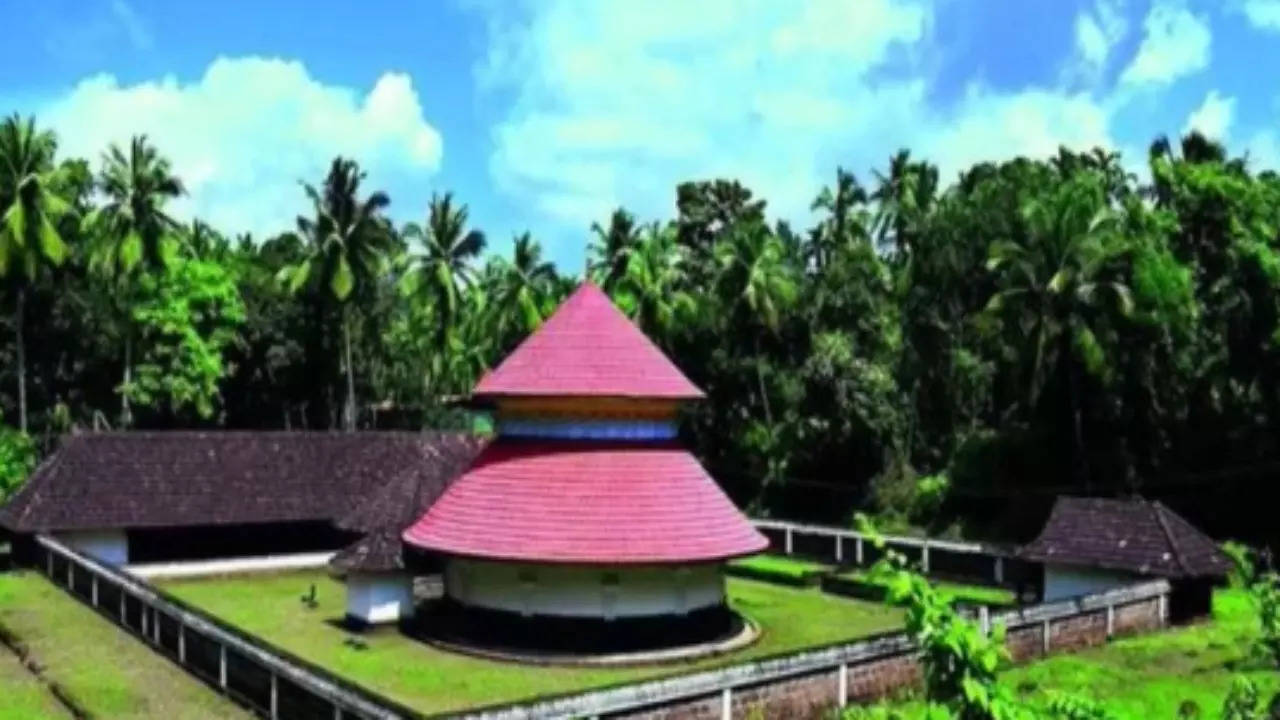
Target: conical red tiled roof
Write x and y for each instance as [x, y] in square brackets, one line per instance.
[588, 348]
[586, 502]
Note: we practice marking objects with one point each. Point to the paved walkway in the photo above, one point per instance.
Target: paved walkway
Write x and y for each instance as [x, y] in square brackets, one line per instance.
[224, 566]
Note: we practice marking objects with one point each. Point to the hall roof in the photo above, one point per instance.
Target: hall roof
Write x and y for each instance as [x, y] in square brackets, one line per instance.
[181, 478]
[1132, 535]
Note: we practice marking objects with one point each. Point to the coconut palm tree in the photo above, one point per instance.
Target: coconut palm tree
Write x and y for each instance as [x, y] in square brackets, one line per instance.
[847, 219]
[347, 240]
[525, 286]
[756, 278]
[1057, 284]
[445, 264]
[608, 254]
[29, 211]
[904, 196]
[653, 291]
[132, 233]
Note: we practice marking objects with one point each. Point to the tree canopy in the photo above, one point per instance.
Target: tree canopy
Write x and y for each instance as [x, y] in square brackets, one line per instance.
[1035, 327]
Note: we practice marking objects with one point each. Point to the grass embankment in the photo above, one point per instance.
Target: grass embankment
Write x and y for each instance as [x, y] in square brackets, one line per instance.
[103, 669]
[780, 569]
[432, 680]
[1151, 676]
[963, 594]
[795, 571]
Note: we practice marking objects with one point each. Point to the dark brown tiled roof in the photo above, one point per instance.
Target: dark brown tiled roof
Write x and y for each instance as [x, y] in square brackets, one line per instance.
[377, 551]
[390, 509]
[157, 479]
[1134, 535]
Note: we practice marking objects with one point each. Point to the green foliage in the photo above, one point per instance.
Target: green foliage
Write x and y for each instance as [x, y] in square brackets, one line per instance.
[187, 317]
[1253, 572]
[17, 460]
[961, 662]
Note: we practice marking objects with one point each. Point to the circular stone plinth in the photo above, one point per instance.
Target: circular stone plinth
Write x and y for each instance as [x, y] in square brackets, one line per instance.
[747, 634]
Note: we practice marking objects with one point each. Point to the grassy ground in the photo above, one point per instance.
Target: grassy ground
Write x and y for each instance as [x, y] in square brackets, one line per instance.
[22, 696]
[433, 680]
[1151, 676]
[105, 670]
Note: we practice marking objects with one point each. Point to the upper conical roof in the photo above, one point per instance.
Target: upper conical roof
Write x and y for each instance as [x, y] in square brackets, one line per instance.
[588, 348]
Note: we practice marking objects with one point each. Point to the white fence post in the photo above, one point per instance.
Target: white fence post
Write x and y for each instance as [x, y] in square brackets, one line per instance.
[844, 685]
[787, 541]
[1046, 632]
[337, 712]
[1164, 609]
[984, 619]
[726, 699]
[123, 616]
[48, 555]
[71, 575]
[924, 556]
[999, 570]
[839, 549]
[275, 698]
[857, 550]
[222, 666]
[182, 642]
[1111, 621]
[93, 583]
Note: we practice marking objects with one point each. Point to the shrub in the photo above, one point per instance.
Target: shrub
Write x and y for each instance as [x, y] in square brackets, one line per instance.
[17, 458]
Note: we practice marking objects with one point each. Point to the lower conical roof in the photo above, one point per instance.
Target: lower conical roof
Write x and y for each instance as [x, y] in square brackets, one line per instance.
[586, 503]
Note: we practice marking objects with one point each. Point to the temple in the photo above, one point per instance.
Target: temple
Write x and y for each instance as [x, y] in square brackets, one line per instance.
[585, 525]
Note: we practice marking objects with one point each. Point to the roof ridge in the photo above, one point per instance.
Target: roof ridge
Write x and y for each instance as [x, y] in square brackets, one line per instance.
[1159, 511]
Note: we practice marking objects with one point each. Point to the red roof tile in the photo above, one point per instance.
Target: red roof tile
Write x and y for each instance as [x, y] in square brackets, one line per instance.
[586, 503]
[588, 348]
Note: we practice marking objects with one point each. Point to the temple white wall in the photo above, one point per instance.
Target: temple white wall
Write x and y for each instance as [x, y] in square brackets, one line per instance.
[379, 597]
[575, 591]
[110, 546]
[1068, 581]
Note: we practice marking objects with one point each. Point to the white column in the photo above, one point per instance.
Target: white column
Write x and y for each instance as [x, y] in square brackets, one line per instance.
[1046, 632]
[222, 666]
[843, 697]
[182, 642]
[1111, 621]
[726, 701]
[787, 542]
[857, 551]
[93, 581]
[924, 556]
[1164, 609]
[984, 619]
[275, 698]
[839, 549]
[999, 570]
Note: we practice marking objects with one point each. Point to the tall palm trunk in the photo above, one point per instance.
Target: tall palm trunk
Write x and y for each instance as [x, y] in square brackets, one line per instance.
[18, 313]
[126, 411]
[764, 396]
[349, 408]
[1081, 460]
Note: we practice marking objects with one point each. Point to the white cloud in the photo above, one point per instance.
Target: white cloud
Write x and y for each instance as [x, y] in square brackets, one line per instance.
[1263, 14]
[1175, 43]
[1098, 32]
[614, 105]
[244, 134]
[1213, 117]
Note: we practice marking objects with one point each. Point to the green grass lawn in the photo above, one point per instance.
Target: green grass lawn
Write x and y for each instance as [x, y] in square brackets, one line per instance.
[433, 680]
[107, 671]
[1150, 676]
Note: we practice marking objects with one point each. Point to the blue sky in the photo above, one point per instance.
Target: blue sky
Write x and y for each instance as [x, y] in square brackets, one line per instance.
[543, 115]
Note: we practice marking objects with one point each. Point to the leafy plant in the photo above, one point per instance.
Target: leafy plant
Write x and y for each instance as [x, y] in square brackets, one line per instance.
[1256, 575]
[17, 458]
